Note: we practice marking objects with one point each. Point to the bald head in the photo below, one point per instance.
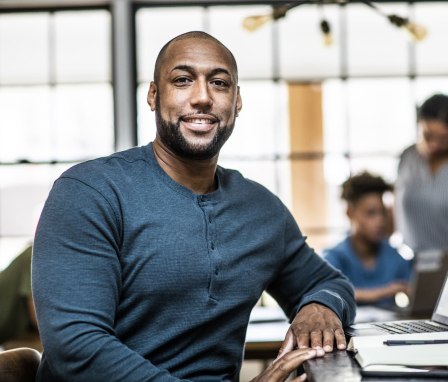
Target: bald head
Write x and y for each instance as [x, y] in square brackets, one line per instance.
[199, 35]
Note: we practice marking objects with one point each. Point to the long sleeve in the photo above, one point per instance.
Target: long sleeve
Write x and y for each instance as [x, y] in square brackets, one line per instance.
[76, 286]
[308, 278]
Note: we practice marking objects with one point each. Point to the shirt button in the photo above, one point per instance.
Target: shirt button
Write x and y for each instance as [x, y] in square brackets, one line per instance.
[212, 246]
[209, 219]
[216, 271]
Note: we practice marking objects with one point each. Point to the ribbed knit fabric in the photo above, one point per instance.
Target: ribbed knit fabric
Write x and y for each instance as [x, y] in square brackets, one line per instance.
[136, 278]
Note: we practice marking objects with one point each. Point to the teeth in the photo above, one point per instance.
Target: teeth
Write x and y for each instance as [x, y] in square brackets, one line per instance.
[199, 120]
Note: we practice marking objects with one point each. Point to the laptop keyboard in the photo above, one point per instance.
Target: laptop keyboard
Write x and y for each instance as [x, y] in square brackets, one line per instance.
[410, 327]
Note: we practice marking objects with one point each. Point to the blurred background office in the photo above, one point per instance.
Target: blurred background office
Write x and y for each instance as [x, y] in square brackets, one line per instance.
[74, 76]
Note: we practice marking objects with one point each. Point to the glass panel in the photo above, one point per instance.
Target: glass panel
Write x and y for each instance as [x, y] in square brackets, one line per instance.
[303, 53]
[431, 52]
[82, 43]
[155, 27]
[11, 247]
[334, 110]
[425, 87]
[385, 166]
[336, 218]
[336, 168]
[24, 48]
[146, 123]
[83, 121]
[23, 191]
[381, 115]
[261, 128]
[252, 50]
[25, 123]
[367, 32]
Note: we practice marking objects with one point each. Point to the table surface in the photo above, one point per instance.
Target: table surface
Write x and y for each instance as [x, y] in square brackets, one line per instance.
[339, 366]
[264, 339]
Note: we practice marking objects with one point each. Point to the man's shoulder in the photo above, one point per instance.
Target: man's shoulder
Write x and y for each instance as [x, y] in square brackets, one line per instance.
[233, 179]
[250, 193]
[107, 167]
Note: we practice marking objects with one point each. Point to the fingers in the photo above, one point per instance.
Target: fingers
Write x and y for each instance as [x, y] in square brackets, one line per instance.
[341, 342]
[324, 339]
[328, 340]
[318, 327]
[303, 340]
[287, 345]
[285, 365]
[330, 337]
[300, 378]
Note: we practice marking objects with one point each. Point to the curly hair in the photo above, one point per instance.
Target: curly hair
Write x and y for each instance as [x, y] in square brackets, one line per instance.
[362, 184]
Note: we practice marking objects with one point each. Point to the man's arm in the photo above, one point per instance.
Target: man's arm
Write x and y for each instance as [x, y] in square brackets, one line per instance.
[76, 286]
[318, 299]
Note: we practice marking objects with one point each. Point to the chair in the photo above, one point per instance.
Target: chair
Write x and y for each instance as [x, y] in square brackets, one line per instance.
[19, 365]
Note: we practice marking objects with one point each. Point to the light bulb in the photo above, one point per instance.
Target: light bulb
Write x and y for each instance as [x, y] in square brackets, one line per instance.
[252, 23]
[328, 39]
[416, 31]
[326, 32]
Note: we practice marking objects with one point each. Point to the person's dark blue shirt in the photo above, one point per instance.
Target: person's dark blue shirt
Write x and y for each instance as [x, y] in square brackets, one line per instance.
[389, 266]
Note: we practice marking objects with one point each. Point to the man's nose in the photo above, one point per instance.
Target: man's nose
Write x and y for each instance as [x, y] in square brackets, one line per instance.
[201, 96]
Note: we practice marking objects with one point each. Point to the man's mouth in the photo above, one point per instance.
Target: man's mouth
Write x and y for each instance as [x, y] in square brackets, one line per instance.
[199, 123]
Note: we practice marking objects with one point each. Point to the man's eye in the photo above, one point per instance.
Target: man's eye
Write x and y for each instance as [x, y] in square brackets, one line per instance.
[220, 83]
[182, 80]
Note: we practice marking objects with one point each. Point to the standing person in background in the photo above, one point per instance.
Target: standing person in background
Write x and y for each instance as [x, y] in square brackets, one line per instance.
[421, 197]
[147, 263]
[376, 269]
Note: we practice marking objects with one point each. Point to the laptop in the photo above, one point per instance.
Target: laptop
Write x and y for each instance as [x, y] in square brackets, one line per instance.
[437, 323]
[429, 271]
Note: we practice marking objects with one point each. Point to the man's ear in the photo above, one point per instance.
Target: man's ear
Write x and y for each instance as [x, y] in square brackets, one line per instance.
[152, 94]
[239, 101]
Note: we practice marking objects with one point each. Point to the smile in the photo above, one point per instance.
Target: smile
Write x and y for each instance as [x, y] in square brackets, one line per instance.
[199, 123]
[199, 120]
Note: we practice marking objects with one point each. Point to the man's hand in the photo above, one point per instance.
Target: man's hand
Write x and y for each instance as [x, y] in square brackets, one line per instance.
[282, 367]
[317, 326]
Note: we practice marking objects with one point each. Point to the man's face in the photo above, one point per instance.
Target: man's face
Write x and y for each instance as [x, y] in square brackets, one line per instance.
[433, 138]
[368, 217]
[197, 98]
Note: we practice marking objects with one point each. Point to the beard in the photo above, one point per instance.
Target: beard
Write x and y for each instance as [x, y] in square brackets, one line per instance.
[171, 135]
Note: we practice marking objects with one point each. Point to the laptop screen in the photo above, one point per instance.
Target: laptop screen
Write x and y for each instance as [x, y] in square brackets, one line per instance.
[441, 311]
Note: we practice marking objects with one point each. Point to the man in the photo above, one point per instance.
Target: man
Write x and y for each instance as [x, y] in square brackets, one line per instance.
[374, 267]
[148, 262]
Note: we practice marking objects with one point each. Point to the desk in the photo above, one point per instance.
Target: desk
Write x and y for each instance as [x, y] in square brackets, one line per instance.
[264, 339]
[339, 366]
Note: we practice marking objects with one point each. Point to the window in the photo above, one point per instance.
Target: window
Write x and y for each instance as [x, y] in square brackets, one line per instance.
[56, 106]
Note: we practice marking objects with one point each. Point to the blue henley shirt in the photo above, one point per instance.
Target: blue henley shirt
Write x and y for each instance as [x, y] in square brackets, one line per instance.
[136, 278]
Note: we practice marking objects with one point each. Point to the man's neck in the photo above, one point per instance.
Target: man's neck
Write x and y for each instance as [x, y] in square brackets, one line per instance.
[196, 175]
